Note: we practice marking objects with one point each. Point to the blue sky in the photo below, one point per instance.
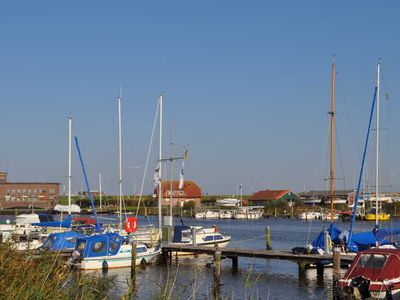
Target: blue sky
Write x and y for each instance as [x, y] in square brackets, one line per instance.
[246, 84]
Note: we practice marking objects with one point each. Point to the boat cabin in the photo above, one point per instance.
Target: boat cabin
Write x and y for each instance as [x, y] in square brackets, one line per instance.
[104, 244]
[61, 240]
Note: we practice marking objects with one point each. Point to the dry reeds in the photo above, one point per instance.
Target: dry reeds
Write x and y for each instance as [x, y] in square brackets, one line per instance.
[45, 276]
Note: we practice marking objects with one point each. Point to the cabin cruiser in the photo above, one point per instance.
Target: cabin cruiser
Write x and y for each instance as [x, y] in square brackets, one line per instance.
[249, 212]
[200, 236]
[310, 215]
[373, 274]
[110, 250]
[225, 214]
[228, 202]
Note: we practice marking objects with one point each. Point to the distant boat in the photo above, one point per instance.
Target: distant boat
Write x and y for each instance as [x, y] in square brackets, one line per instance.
[228, 202]
[249, 213]
[225, 214]
[310, 215]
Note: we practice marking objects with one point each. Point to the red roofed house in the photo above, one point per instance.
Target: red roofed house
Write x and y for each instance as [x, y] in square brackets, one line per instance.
[189, 192]
[259, 198]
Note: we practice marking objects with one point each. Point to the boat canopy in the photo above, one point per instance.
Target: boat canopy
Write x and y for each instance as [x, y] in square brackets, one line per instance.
[359, 241]
[375, 265]
[66, 223]
[100, 245]
[178, 233]
[61, 240]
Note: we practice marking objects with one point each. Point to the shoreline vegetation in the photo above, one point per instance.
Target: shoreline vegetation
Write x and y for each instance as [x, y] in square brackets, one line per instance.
[280, 209]
[25, 275]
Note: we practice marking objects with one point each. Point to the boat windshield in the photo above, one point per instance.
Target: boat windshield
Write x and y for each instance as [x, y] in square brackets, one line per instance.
[48, 244]
[372, 261]
[80, 246]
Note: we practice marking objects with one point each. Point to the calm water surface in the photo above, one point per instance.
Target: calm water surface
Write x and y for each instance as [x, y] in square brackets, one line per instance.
[256, 279]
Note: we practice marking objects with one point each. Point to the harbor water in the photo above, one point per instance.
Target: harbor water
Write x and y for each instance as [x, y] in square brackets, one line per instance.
[192, 277]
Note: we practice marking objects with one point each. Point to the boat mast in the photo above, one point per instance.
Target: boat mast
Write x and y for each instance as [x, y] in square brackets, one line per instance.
[69, 162]
[120, 161]
[160, 103]
[377, 144]
[100, 191]
[332, 154]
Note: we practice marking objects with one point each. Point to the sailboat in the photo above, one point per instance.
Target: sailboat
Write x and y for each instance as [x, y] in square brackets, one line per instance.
[113, 250]
[375, 214]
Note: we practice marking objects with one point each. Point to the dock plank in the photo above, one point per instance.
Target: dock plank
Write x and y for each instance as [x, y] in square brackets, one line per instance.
[256, 253]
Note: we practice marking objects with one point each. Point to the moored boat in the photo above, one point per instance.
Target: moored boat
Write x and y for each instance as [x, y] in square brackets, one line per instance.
[110, 250]
[374, 274]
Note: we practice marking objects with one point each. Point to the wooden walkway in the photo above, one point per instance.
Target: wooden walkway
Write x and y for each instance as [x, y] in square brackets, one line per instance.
[265, 254]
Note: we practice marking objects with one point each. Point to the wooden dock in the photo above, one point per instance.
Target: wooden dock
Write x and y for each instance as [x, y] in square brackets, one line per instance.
[256, 253]
[335, 260]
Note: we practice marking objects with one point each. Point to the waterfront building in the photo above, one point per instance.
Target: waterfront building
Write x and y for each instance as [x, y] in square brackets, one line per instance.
[261, 198]
[190, 192]
[27, 194]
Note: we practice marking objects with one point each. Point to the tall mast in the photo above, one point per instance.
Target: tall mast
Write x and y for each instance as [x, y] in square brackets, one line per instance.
[100, 191]
[69, 162]
[377, 143]
[120, 161]
[332, 154]
[160, 103]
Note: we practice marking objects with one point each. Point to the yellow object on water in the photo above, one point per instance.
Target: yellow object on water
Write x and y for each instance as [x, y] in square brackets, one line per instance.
[381, 217]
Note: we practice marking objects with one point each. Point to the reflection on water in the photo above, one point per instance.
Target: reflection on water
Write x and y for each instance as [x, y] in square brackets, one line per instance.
[192, 277]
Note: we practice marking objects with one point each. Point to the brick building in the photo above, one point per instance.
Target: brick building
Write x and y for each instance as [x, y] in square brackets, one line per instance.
[27, 194]
[189, 192]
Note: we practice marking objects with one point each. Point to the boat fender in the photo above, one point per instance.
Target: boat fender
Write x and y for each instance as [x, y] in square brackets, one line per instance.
[143, 262]
[104, 266]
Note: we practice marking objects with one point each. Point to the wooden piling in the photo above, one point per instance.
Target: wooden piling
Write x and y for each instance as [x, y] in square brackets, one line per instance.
[133, 261]
[217, 274]
[235, 263]
[268, 238]
[320, 270]
[194, 242]
[336, 264]
[302, 269]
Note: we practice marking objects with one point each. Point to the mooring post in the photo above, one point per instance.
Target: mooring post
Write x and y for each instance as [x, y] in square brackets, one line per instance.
[327, 249]
[268, 238]
[336, 264]
[194, 242]
[133, 261]
[302, 269]
[217, 274]
[235, 263]
[320, 270]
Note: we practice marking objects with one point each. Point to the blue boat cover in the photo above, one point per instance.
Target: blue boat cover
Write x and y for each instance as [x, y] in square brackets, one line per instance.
[65, 224]
[360, 241]
[61, 240]
[100, 244]
[178, 233]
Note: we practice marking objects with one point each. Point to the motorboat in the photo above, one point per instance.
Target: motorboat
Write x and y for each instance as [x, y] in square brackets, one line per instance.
[371, 216]
[110, 250]
[228, 202]
[249, 212]
[327, 216]
[211, 214]
[225, 214]
[200, 236]
[373, 274]
[200, 215]
[310, 215]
